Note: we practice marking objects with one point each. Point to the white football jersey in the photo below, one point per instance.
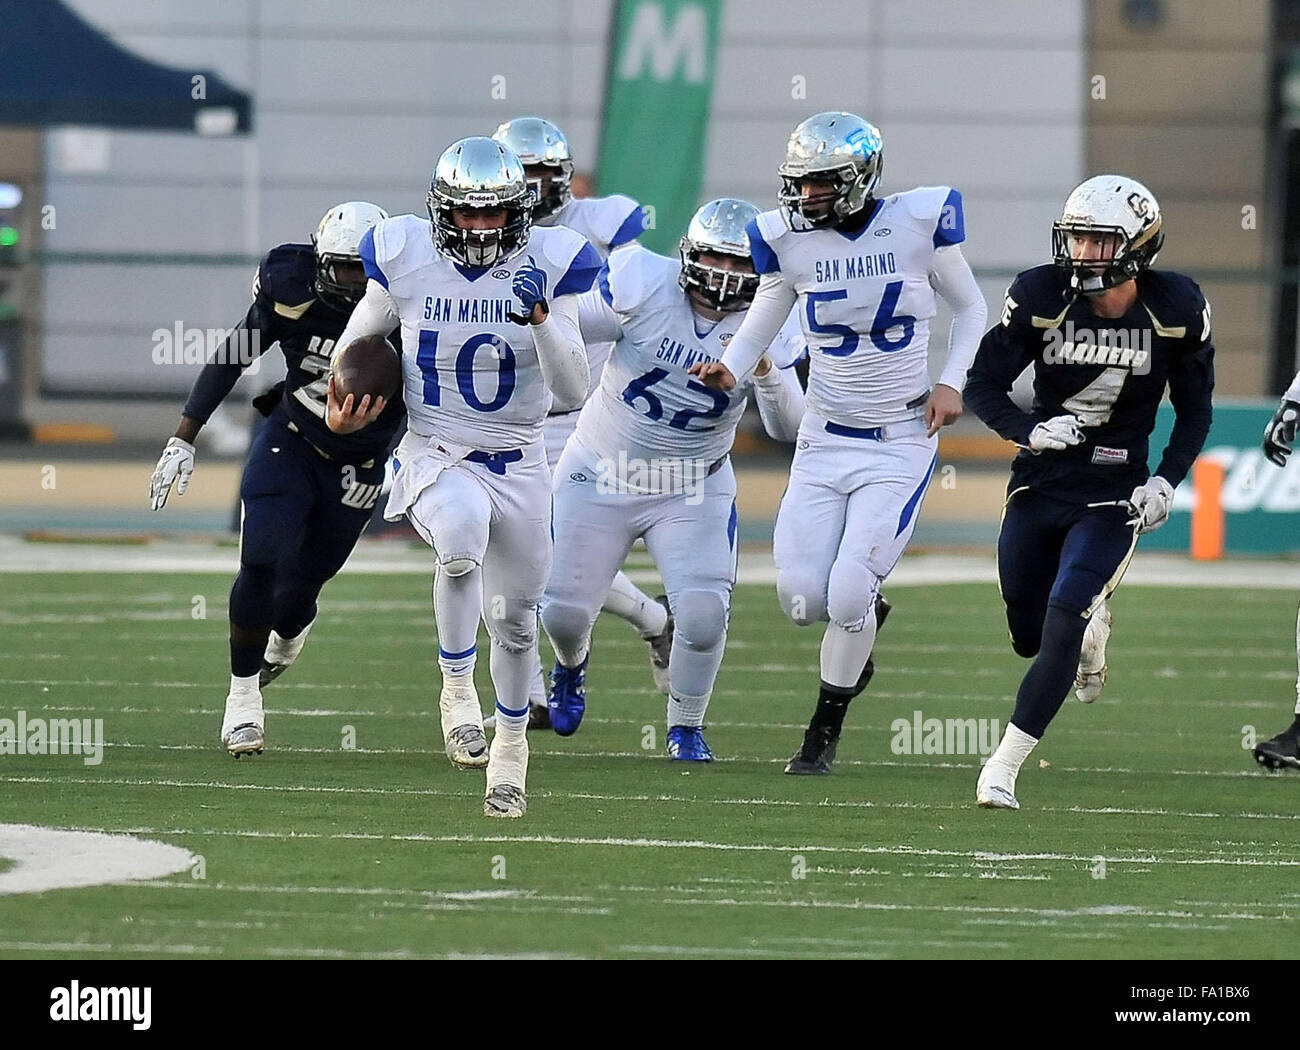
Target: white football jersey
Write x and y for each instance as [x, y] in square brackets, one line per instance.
[648, 405]
[471, 375]
[865, 302]
[607, 223]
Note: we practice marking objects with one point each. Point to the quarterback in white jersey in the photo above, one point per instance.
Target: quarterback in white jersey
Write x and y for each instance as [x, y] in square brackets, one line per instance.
[650, 460]
[863, 273]
[608, 223]
[479, 378]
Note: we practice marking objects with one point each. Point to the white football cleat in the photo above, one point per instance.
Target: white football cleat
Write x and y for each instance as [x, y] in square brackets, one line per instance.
[242, 728]
[1091, 677]
[462, 725]
[280, 653]
[507, 777]
[996, 788]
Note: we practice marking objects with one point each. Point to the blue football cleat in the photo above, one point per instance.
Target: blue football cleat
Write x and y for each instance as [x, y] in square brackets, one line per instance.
[687, 744]
[568, 700]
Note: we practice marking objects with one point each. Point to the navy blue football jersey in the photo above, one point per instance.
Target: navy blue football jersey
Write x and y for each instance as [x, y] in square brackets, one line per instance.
[1109, 372]
[287, 310]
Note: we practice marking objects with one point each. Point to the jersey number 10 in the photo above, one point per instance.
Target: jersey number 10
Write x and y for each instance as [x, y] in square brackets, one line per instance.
[427, 358]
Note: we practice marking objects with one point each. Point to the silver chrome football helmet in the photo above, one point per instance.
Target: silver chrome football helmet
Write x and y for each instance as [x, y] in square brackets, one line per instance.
[1108, 204]
[719, 229]
[340, 278]
[539, 142]
[480, 173]
[841, 148]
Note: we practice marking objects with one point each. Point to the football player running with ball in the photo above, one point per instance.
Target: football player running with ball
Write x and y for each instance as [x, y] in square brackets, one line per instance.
[650, 459]
[608, 223]
[307, 491]
[1104, 333]
[489, 316]
[864, 272]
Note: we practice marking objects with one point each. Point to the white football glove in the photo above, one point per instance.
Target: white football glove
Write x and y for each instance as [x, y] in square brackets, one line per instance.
[1057, 433]
[1151, 503]
[176, 462]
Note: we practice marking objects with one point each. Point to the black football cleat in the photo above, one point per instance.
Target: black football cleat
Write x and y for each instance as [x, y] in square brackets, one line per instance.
[814, 758]
[1282, 751]
[269, 673]
[539, 716]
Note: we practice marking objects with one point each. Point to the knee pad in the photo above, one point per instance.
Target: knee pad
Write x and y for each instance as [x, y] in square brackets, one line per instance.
[567, 625]
[701, 619]
[458, 566]
[803, 598]
[851, 593]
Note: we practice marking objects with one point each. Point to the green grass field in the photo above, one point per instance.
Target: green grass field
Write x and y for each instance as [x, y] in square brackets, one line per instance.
[315, 850]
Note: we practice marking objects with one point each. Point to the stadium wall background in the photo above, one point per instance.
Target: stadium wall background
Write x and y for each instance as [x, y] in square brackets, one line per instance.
[998, 98]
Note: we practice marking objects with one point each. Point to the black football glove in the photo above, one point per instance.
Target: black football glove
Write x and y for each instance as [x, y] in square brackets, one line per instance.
[1279, 435]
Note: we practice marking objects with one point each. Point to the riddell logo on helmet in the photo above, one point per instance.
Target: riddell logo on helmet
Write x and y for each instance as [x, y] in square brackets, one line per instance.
[481, 199]
[1118, 347]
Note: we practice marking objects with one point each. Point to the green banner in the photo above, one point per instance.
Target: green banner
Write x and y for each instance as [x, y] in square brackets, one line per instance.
[1261, 502]
[657, 94]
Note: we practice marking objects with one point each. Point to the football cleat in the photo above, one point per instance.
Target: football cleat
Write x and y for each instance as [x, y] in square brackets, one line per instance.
[462, 724]
[506, 801]
[507, 777]
[1091, 676]
[280, 653]
[814, 758]
[996, 788]
[661, 646]
[687, 744]
[568, 698]
[467, 747]
[1282, 751]
[246, 739]
[242, 731]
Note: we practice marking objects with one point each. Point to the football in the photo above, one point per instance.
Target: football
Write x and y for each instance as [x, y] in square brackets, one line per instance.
[368, 365]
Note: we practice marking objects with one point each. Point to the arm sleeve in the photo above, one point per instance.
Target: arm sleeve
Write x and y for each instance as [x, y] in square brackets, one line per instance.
[244, 342]
[772, 304]
[1004, 352]
[951, 277]
[562, 354]
[596, 317]
[376, 314]
[1191, 384]
[780, 402]
[1293, 391]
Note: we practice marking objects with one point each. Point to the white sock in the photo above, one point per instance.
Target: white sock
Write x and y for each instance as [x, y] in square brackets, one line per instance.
[687, 710]
[245, 687]
[627, 601]
[508, 755]
[1013, 750]
[457, 604]
[281, 650]
[845, 653]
